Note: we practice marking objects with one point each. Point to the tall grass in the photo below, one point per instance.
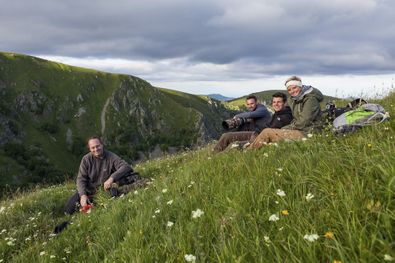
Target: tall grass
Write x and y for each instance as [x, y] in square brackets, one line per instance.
[352, 210]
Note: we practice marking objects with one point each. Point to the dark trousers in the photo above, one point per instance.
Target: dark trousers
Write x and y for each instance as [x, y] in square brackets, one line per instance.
[229, 137]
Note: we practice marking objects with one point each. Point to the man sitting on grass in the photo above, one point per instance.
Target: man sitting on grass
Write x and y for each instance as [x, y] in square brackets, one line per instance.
[101, 167]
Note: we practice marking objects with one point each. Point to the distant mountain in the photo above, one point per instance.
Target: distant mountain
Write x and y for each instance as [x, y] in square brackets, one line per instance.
[48, 109]
[219, 97]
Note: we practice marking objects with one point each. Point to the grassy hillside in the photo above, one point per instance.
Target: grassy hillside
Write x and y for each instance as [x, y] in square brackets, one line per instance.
[325, 199]
[48, 109]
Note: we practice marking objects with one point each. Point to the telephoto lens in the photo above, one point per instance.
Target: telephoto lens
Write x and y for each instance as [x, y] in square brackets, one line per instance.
[229, 124]
[233, 123]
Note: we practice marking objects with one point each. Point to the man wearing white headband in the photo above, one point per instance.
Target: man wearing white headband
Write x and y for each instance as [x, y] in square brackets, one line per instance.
[305, 106]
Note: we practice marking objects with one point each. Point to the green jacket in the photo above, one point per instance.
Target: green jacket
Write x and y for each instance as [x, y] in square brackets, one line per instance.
[306, 112]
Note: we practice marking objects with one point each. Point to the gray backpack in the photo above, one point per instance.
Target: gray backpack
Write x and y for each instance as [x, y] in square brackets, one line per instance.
[365, 114]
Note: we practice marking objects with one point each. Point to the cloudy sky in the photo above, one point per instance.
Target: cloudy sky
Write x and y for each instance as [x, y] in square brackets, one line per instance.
[232, 47]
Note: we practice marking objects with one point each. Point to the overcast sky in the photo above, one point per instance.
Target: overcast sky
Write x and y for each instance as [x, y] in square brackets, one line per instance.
[232, 47]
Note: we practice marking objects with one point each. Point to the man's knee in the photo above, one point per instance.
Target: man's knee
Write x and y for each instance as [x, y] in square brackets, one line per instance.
[71, 204]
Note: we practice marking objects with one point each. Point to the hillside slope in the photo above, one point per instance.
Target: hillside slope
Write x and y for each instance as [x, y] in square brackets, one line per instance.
[48, 109]
[325, 199]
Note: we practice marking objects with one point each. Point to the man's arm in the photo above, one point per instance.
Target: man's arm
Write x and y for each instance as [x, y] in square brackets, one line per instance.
[82, 180]
[121, 169]
[259, 112]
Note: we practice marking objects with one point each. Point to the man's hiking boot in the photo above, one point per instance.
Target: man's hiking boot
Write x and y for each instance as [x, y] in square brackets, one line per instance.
[60, 227]
[114, 190]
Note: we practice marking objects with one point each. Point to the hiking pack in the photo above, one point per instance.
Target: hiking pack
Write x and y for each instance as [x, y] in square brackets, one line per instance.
[357, 114]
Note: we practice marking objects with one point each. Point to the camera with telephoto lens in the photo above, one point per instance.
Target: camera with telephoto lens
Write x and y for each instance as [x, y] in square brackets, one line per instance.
[233, 123]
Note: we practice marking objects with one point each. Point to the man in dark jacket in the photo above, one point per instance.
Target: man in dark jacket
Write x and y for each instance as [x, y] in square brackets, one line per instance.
[256, 117]
[101, 167]
[282, 116]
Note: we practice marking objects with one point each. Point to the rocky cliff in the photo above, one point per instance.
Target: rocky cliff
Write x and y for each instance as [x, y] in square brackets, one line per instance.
[47, 110]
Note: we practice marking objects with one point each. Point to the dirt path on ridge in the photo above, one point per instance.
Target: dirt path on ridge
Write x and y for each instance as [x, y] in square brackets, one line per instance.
[103, 116]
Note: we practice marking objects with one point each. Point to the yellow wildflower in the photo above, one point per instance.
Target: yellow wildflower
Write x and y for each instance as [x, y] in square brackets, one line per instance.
[329, 235]
[285, 212]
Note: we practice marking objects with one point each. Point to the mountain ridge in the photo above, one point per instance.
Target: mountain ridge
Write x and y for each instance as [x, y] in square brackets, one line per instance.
[48, 109]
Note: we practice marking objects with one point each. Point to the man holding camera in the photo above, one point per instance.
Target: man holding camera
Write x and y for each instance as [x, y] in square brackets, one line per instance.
[244, 124]
[282, 116]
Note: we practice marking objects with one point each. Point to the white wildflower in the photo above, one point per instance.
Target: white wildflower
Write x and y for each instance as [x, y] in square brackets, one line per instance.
[309, 135]
[52, 256]
[280, 193]
[136, 192]
[197, 213]
[170, 202]
[309, 196]
[274, 218]
[42, 253]
[311, 238]
[169, 224]
[234, 145]
[2, 209]
[3, 231]
[164, 191]
[10, 243]
[266, 154]
[267, 239]
[190, 258]
[388, 258]
[304, 139]
[279, 169]
[157, 211]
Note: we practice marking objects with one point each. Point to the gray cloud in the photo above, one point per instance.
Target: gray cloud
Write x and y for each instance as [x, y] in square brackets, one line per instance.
[266, 37]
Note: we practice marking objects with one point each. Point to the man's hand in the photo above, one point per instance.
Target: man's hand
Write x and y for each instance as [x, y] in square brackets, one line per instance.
[84, 200]
[108, 183]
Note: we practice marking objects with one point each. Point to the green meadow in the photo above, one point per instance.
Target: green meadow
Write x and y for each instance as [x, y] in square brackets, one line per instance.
[323, 199]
